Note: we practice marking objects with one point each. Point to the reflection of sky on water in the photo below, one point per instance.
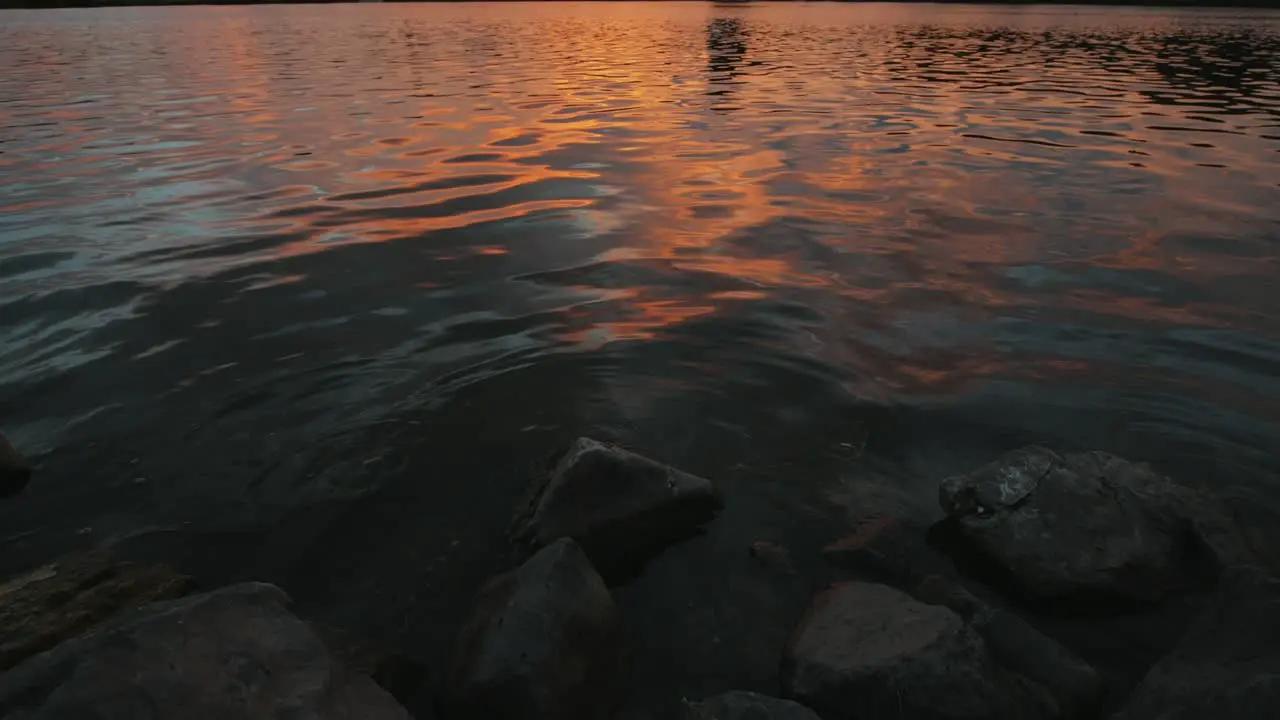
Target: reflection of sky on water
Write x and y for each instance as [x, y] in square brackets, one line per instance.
[914, 211]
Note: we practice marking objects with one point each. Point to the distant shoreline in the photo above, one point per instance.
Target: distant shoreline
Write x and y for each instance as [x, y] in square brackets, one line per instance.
[49, 4]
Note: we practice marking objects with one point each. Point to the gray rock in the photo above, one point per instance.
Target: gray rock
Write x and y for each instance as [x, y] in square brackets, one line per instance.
[544, 643]
[233, 653]
[15, 472]
[743, 705]
[1082, 523]
[1018, 646]
[866, 650]
[1227, 666]
[621, 508]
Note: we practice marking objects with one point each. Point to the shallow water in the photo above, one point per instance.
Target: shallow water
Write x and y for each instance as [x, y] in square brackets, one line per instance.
[252, 257]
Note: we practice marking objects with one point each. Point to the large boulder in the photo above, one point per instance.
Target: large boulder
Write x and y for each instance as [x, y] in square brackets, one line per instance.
[15, 472]
[743, 705]
[544, 643]
[61, 600]
[867, 650]
[621, 508]
[234, 653]
[1082, 524]
[1227, 666]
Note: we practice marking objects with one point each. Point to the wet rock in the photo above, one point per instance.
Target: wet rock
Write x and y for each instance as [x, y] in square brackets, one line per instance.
[236, 652]
[866, 650]
[59, 601]
[742, 705]
[1018, 646]
[890, 550]
[15, 472]
[544, 643]
[1081, 524]
[1227, 666]
[621, 508]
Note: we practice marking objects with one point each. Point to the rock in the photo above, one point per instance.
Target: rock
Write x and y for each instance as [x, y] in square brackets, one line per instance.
[1018, 646]
[890, 550]
[938, 590]
[1227, 666]
[233, 653]
[742, 705]
[1088, 523]
[404, 677]
[621, 508]
[15, 472]
[543, 643]
[866, 650]
[772, 556]
[62, 600]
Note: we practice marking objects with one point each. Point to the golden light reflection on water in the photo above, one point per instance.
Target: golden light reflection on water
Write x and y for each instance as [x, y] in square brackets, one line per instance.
[985, 165]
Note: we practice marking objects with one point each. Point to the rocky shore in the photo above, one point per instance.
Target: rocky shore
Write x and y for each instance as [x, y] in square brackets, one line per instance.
[1056, 586]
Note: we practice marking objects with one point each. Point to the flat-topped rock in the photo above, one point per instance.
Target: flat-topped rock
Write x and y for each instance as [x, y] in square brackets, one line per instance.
[1084, 523]
[620, 507]
[743, 705]
[544, 643]
[867, 650]
[233, 653]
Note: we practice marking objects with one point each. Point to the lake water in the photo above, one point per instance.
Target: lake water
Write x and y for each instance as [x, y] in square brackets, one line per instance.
[253, 257]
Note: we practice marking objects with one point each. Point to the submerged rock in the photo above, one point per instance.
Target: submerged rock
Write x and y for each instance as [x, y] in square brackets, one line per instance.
[1021, 648]
[743, 705]
[1227, 666]
[890, 549]
[233, 653]
[1081, 523]
[59, 601]
[543, 643]
[867, 650]
[15, 472]
[621, 508]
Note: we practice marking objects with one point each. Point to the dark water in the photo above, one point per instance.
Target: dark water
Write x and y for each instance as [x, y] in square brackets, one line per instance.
[255, 258]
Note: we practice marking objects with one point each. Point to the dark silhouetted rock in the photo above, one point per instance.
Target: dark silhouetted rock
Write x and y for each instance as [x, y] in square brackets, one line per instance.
[866, 650]
[1227, 666]
[620, 507]
[544, 643]
[891, 550]
[60, 601]
[742, 705]
[233, 653]
[15, 472]
[404, 677]
[1087, 523]
[1021, 648]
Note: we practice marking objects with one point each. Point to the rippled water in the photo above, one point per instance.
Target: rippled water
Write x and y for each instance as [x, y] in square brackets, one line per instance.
[261, 255]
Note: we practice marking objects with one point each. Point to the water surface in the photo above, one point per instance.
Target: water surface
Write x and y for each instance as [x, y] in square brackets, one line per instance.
[252, 257]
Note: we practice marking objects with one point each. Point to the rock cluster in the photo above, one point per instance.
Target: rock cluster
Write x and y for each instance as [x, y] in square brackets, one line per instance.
[909, 632]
